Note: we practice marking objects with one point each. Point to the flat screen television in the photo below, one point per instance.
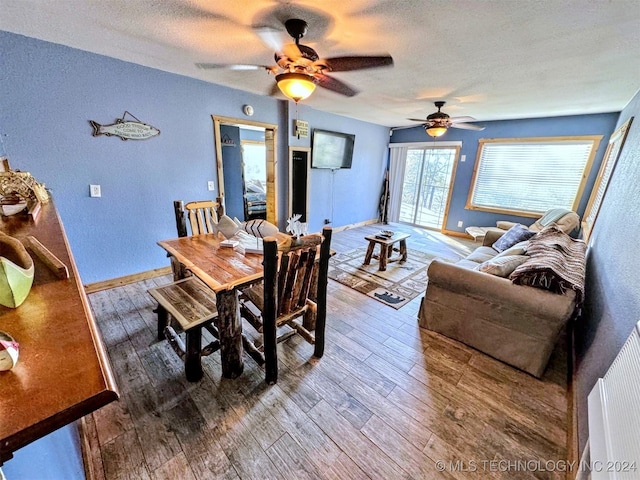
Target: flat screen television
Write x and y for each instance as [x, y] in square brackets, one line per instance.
[331, 149]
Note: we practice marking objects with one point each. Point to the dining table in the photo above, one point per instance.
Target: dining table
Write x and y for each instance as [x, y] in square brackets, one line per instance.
[225, 270]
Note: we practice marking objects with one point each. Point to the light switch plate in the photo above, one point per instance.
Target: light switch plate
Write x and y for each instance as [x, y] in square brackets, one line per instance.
[211, 186]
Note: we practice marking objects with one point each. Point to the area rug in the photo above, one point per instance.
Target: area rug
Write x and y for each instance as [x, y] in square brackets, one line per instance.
[396, 286]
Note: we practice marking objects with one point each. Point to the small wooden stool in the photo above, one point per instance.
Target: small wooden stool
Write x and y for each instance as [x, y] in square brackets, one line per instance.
[386, 249]
[193, 305]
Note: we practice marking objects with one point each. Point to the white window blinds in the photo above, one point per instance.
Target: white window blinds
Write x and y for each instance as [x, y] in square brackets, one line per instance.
[530, 176]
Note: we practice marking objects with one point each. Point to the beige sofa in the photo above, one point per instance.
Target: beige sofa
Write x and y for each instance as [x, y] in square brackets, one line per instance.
[516, 324]
[564, 219]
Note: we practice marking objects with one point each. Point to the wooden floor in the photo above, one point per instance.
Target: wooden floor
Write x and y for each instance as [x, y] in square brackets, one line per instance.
[388, 400]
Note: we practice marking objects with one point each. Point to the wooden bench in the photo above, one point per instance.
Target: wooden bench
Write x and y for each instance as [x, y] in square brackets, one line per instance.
[192, 304]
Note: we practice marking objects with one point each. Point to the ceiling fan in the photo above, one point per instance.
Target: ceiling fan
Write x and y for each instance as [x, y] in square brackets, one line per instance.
[299, 69]
[438, 122]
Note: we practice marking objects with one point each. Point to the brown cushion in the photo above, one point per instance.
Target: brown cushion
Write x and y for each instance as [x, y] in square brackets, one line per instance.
[502, 266]
[481, 254]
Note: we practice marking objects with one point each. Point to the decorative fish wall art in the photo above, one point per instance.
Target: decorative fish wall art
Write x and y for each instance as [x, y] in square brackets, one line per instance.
[125, 129]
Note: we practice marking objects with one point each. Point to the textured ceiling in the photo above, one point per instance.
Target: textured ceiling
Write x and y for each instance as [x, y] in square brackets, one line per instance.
[490, 59]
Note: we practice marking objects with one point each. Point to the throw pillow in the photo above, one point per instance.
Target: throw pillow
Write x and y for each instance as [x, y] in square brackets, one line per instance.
[514, 235]
[502, 266]
[260, 228]
[519, 248]
[227, 227]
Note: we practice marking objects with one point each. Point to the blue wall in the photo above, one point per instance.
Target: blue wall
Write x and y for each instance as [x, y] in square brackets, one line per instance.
[612, 298]
[50, 458]
[49, 92]
[602, 124]
[344, 196]
[233, 175]
[252, 135]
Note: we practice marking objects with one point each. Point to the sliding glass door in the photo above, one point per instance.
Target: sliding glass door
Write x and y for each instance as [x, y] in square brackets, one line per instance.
[426, 189]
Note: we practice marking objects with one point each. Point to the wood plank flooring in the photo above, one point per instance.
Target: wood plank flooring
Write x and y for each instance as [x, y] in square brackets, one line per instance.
[387, 401]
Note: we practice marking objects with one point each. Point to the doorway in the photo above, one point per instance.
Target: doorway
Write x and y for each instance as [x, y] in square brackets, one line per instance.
[234, 195]
[299, 166]
[427, 185]
[254, 174]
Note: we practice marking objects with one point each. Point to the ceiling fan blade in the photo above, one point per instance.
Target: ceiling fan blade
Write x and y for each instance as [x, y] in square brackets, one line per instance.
[213, 66]
[345, 64]
[467, 126]
[422, 120]
[408, 126]
[271, 37]
[461, 119]
[335, 85]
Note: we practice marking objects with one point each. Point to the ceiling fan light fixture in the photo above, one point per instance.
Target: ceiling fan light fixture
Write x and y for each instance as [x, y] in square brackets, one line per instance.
[296, 86]
[436, 131]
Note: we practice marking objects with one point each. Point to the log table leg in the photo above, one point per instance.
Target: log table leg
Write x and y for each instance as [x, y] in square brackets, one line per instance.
[163, 321]
[367, 257]
[192, 363]
[230, 329]
[403, 250]
[384, 254]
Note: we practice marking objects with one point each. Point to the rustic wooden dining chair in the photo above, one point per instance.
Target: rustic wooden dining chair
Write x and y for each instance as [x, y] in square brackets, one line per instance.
[201, 215]
[294, 286]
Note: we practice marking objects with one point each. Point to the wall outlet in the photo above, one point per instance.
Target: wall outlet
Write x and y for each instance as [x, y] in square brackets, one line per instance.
[94, 191]
[211, 186]
[460, 224]
[463, 158]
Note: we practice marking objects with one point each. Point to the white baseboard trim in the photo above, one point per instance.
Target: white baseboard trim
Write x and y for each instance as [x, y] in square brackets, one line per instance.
[354, 225]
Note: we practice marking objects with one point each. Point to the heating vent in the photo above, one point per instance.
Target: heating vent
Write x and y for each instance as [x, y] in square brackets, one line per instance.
[614, 416]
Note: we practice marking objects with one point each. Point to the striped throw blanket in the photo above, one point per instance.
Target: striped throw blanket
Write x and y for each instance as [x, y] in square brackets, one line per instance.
[556, 263]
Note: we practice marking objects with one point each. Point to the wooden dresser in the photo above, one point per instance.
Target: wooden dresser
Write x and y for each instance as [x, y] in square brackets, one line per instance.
[63, 371]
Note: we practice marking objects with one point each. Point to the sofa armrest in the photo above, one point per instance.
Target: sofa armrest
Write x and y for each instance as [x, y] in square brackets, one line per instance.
[491, 236]
[499, 291]
[504, 224]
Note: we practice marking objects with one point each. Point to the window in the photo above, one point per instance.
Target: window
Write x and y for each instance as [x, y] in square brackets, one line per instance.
[427, 185]
[528, 176]
[602, 180]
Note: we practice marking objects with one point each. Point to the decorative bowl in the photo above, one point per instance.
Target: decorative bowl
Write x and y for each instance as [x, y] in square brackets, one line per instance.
[8, 351]
[16, 272]
[13, 208]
